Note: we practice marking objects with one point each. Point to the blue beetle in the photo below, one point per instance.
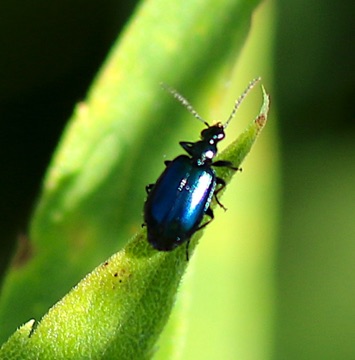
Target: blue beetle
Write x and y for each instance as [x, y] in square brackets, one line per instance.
[177, 202]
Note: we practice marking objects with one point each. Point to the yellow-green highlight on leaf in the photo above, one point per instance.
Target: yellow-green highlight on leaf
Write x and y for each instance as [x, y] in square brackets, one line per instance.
[119, 309]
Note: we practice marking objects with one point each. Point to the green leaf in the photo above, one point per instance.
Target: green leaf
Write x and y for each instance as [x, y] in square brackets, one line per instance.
[119, 310]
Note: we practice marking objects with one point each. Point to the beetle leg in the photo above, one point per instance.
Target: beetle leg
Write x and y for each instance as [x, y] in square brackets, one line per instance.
[187, 146]
[221, 182]
[187, 249]
[224, 163]
[209, 212]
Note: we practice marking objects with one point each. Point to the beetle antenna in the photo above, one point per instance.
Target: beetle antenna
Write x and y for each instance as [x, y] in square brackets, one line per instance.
[240, 99]
[184, 102]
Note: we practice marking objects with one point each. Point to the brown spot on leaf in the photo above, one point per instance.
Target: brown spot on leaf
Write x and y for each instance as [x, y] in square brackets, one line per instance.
[24, 252]
[260, 120]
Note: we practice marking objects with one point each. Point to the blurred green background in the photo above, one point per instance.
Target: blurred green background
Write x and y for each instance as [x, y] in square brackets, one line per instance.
[50, 53]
